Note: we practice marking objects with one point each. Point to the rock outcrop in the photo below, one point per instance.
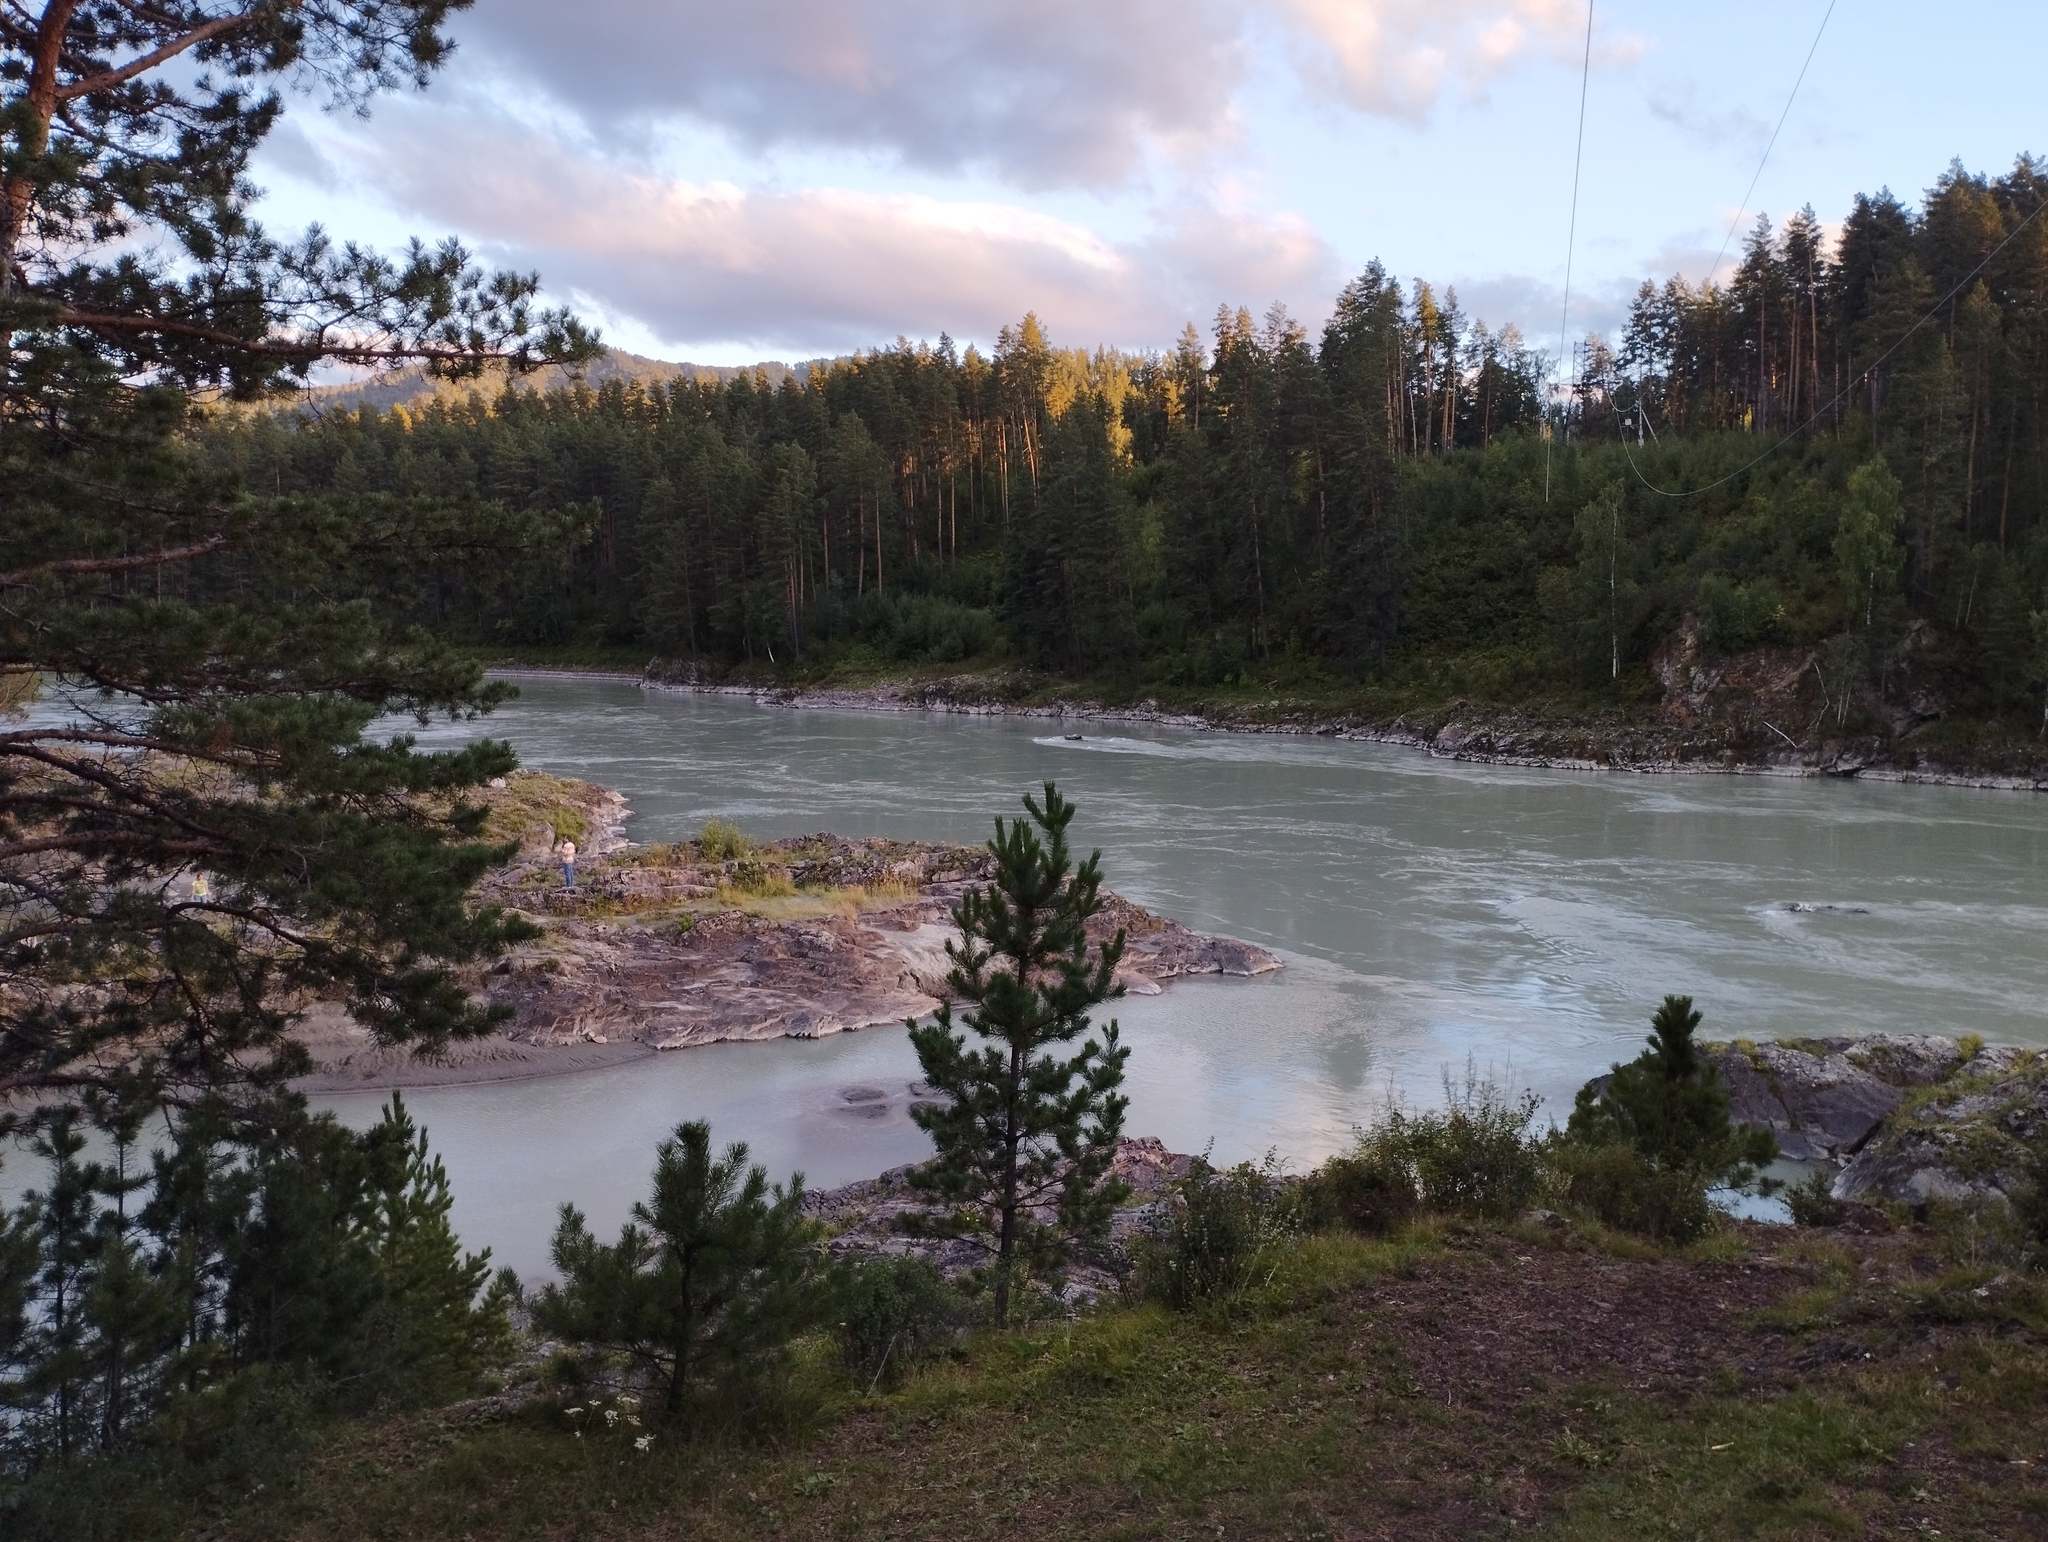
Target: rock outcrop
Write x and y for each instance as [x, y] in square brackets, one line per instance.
[664, 948]
[1907, 1117]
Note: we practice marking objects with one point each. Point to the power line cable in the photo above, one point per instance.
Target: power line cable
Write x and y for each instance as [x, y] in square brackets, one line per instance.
[1744, 207]
[1868, 370]
[1572, 231]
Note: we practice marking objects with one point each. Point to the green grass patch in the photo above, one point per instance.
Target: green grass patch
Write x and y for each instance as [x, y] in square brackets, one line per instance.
[1455, 1380]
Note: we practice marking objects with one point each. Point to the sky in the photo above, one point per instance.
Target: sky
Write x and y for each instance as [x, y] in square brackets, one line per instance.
[727, 181]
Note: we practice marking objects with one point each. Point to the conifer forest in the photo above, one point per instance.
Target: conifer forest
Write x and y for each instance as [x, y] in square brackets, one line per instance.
[288, 906]
[1388, 500]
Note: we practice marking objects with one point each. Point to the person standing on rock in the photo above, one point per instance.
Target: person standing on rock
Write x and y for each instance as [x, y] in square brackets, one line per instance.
[567, 852]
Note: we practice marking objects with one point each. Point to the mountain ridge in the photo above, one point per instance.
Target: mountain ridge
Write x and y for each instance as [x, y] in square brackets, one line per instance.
[412, 385]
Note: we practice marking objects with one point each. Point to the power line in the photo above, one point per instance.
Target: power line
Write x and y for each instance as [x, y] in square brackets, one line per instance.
[1572, 231]
[1868, 370]
[1744, 207]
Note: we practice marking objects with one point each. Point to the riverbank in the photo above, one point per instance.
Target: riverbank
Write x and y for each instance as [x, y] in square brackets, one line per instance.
[1712, 718]
[1457, 730]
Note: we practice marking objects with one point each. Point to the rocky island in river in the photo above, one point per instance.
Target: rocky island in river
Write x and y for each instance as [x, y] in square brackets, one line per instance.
[700, 942]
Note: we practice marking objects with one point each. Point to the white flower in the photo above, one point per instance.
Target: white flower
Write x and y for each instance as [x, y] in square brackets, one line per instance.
[642, 1442]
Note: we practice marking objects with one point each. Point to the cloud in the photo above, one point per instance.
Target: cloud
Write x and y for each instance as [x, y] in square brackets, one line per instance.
[1042, 92]
[1729, 128]
[829, 270]
[1394, 58]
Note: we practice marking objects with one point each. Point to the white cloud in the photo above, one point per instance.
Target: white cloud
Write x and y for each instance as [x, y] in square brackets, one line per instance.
[1394, 58]
[1041, 92]
[826, 269]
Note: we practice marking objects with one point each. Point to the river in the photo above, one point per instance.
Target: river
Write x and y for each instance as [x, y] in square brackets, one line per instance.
[1434, 915]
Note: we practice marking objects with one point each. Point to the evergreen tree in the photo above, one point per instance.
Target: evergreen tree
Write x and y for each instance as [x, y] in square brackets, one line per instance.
[1668, 1106]
[1027, 1134]
[218, 702]
[706, 1285]
[437, 1315]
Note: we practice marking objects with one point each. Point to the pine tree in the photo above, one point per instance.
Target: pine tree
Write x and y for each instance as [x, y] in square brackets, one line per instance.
[1669, 1106]
[1026, 1136]
[706, 1285]
[218, 702]
[434, 1320]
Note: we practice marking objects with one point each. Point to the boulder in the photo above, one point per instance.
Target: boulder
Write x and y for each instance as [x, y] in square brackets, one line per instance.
[1820, 1103]
[1972, 1139]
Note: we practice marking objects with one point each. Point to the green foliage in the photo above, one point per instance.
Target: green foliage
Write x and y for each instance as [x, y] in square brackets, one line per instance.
[1734, 616]
[1026, 1134]
[1472, 1157]
[1620, 1187]
[722, 841]
[1812, 1200]
[2030, 1205]
[707, 1284]
[925, 628]
[271, 1270]
[894, 1313]
[437, 1313]
[203, 628]
[1218, 1230]
[1668, 1112]
[1368, 1191]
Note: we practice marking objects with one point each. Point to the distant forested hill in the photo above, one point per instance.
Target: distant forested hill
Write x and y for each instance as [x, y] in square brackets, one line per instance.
[1387, 502]
[413, 387]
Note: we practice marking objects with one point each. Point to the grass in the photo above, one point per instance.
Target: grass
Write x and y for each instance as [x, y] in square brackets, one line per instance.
[1455, 1382]
[532, 803]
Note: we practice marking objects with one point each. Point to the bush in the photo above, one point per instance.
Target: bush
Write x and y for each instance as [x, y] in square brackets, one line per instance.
[1362, 1192]
[925, 627]
[2030, 1204]
[723, 841]
[1812, 1200]
[1735, 616]
[1473, 1157]
[1618, 1187]
[894, 1312]
[760, 879]
[1216, 1228]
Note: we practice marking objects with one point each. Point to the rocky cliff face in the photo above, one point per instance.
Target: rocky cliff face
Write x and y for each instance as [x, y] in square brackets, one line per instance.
[1907, 1117]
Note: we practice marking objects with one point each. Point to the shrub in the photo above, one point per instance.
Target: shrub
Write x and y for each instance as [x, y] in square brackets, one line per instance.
[1216, 1228]
[1472, 1157]
[760, 879]
[894, 1312]
[925, 627]
[1618, 1187]
[1734, 616]
[2030, 1204]
[723, 841]
[1812, 1200]
[1362, 1192]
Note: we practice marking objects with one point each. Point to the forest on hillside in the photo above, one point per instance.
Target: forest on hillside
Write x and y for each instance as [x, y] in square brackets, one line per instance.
[1394, 499]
